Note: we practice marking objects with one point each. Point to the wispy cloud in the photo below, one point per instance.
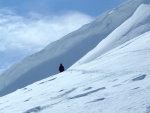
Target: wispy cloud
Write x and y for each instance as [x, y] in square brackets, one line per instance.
[22, 36]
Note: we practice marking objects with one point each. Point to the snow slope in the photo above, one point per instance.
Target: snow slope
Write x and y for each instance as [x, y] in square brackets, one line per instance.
[134, 26]
[115, 82]
[67, 50]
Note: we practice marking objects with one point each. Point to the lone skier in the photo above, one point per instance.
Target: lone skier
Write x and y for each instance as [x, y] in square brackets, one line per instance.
[61, 68]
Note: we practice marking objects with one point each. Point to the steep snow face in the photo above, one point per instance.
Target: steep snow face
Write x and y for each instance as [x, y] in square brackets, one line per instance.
[136, 25]
[116, 82]
[67, 50]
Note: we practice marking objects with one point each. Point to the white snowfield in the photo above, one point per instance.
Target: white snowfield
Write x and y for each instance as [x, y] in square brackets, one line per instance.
[116, 82]
[113, 75]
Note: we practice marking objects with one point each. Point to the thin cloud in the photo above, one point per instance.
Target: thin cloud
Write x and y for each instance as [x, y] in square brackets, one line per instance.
[23, 32]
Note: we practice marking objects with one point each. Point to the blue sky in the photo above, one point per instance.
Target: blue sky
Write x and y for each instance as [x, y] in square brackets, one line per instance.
[56, 7]
[27, 26]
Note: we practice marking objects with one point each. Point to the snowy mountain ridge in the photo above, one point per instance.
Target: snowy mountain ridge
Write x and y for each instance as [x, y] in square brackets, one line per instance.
[134, 26]
[109, 71]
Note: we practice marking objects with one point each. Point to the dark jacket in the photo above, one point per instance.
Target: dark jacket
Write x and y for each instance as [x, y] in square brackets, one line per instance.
[61, 68]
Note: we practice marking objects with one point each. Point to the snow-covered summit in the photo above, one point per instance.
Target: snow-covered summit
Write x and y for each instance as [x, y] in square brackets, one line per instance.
[69, 49]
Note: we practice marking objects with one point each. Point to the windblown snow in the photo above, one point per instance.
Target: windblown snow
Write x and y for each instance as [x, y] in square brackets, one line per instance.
[107, 64]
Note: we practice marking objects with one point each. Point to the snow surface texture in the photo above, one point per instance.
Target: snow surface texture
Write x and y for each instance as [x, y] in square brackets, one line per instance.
[75, 45]
[115, 82]
[112, 78]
